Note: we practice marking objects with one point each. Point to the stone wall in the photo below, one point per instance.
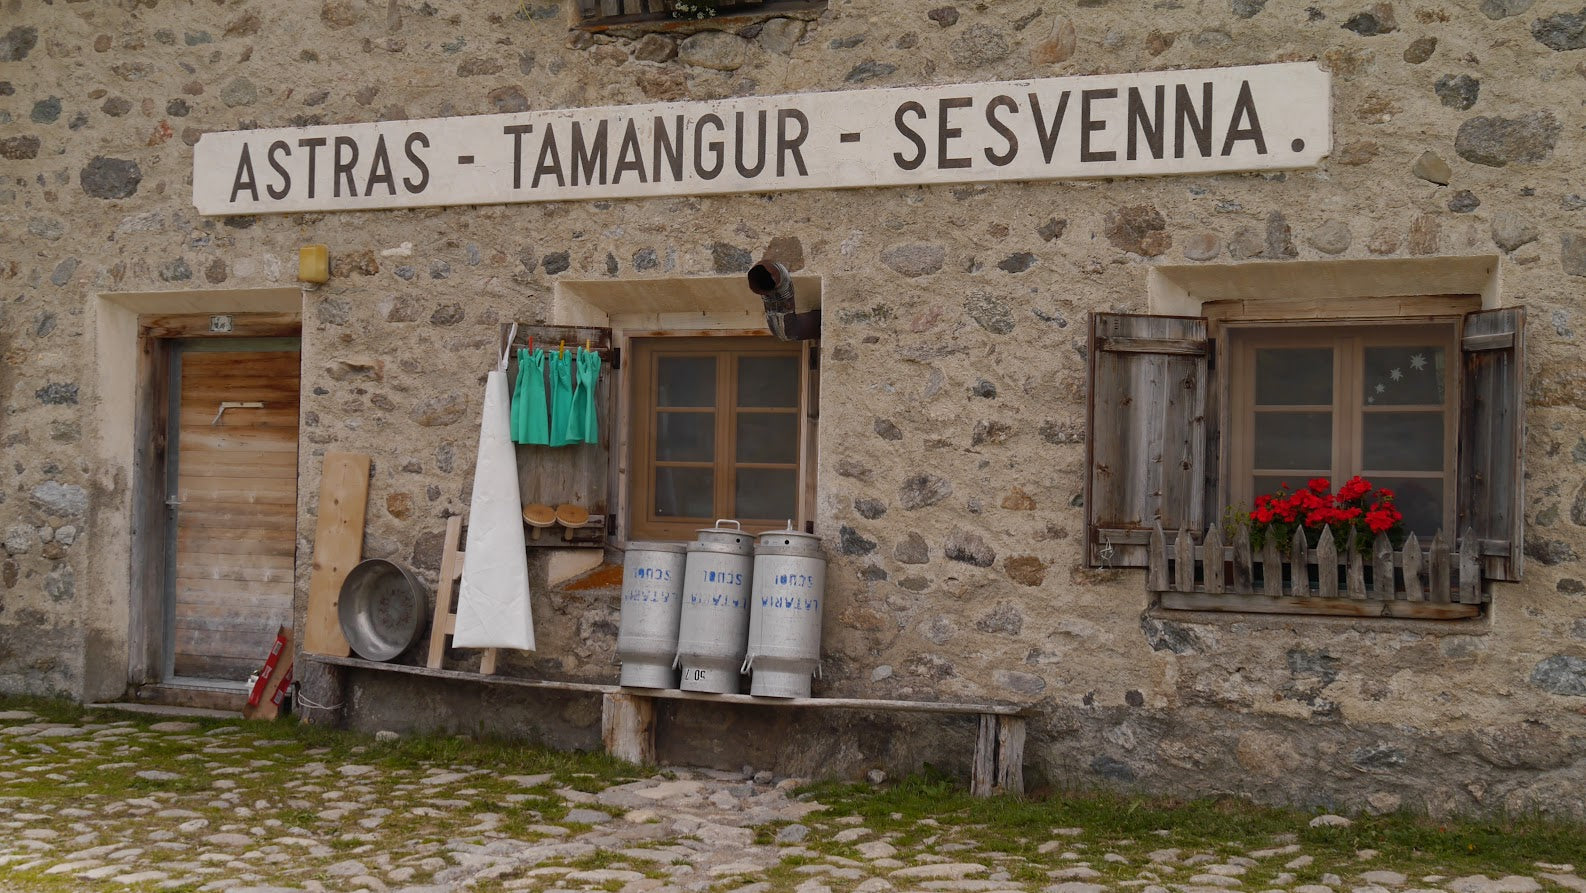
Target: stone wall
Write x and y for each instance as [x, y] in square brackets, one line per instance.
[952, 434]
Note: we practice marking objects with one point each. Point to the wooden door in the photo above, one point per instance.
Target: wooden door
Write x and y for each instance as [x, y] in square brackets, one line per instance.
[233, 498]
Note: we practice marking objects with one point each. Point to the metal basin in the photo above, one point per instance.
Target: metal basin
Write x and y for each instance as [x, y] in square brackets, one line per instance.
[381, 609]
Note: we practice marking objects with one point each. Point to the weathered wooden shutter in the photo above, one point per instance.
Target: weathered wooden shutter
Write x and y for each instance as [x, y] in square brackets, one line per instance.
[1146, 446]
[1491, 434]
[580, 474]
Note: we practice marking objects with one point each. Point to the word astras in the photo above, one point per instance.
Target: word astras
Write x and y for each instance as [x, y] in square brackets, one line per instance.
[1261, 117]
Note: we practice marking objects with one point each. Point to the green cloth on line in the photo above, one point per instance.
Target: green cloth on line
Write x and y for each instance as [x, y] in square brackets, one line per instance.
[585, 425]
[530, 423]
[562, 432]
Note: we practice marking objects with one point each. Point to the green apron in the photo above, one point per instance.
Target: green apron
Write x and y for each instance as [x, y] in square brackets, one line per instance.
[562, 432]
[529, 421]
[585, 426]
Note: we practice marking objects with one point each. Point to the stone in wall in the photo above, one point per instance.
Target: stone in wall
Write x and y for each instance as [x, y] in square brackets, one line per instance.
[1497, 141]
[110, 178]
[1561, 675]
[1561, 31]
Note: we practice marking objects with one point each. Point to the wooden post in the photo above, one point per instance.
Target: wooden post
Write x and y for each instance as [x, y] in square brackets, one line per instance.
[1271, 567]
[1326, 565]
[1299, 564]
[326, 686]
[1382, 569]
[1357, 567]
[1212, 559]
[1469, 570]
[1184, 561]
[983, 773]
[1010, 755]
[1412, 569]
[442, 624]
[1242, 561]
[1156, 560]
[1437, 570]
[627, 727]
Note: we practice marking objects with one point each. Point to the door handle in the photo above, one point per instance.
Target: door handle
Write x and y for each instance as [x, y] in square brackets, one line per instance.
[234, 404]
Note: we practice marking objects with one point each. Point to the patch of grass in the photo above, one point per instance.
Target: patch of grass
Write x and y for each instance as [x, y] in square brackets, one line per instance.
[1130, 826]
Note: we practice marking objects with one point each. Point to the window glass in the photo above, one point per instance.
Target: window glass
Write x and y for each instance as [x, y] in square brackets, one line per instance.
[1294, 376]
[766, 493]
[768, 381]
[1403, 376]
[1402, 441]
[684, 492]
[685, 436]
[1421, 502]
[1298, 440]
[685, 381]
[767, 437]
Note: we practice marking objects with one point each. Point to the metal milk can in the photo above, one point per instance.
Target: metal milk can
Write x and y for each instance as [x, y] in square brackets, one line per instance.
[715, 622]
[652, 604]
[785, 613]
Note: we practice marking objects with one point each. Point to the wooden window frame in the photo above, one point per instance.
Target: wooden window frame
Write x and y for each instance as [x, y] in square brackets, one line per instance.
[645, 352]
[1349, 339]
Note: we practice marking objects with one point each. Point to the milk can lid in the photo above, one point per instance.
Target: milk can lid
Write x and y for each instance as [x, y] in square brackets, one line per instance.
[638, 546]
[790, 537]
[733, 537]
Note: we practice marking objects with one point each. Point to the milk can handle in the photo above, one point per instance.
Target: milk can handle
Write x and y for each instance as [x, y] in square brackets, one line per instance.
[748, 664]
[724, 521]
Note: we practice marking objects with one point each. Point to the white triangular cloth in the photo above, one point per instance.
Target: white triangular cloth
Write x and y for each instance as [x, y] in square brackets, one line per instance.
[493, 601]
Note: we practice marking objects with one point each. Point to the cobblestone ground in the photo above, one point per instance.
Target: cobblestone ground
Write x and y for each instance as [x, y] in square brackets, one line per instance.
[113, 803]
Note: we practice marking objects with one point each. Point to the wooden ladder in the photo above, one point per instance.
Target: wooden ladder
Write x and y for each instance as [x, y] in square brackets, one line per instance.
[445, 623]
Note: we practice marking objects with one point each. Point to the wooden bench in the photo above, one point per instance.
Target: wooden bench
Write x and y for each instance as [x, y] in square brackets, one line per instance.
[627, 717]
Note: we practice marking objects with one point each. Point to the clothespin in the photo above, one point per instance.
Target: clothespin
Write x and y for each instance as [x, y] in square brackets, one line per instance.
[586, 344]
[531, 344]
[562, 351]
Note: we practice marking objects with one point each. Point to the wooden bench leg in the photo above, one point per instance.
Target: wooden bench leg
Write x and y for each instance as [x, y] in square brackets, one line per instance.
[999, 757]
[1010, 755]
[627, 727]
[983, 775]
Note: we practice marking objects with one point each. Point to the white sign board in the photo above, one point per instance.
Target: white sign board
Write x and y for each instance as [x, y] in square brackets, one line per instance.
[1259, 117]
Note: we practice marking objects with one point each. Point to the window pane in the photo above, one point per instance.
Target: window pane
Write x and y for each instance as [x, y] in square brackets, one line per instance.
[685, 381]
[768, 381]
[1268, 484]
[1421, 501]
[766, 493]
[1294, 376]
[684, 492]
[1294, 440]
[1404, 375]
[768, 437]
[685, 436]
[1402, 441]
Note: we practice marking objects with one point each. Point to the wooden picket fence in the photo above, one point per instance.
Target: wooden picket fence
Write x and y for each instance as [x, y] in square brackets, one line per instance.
[1439, 582]
[625, 11]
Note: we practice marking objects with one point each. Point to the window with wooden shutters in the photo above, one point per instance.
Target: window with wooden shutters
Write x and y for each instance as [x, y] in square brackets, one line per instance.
[1430, 407]
[1147, 440]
